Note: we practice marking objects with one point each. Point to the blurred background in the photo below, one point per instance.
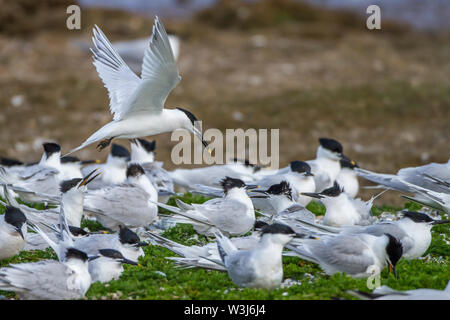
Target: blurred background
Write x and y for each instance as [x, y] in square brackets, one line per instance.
[310, 68]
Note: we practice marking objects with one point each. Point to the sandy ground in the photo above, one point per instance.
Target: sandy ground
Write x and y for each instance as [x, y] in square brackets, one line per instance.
[384, 95]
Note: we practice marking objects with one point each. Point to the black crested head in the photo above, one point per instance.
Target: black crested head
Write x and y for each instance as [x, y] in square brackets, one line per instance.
[134, 170]
[417, 216]
[111, 253]
[259, 224]
[394, 249]
[334, 191]
[347, 163]
[126, 236]
[331, 145]
[281, 188]
[77, 231]
[149, 146]
[51, 148]
[277, 228]
[66, 185]
[69, 159]
[120, 152]
[7, 162]
[229, 183]
[189, 114]
[73, 253]
[300, 166]
[15, 217]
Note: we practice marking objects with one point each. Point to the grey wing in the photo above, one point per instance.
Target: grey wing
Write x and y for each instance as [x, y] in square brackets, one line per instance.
[43, 280]
[125, 203]
[344, 253]
[207, 191]
[159, 176]
[223, 214]
[95, 242]
[299, 212]
[386, 180]
[421, 176]
[239, 269]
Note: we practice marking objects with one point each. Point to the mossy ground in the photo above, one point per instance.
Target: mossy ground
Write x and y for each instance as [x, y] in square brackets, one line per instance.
[158, 278]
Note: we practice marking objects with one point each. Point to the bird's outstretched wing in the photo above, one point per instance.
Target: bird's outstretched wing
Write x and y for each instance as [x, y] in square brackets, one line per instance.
[127, 92]
[117, 77]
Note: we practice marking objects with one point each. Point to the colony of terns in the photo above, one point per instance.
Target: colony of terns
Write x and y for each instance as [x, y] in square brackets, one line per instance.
[254, 217]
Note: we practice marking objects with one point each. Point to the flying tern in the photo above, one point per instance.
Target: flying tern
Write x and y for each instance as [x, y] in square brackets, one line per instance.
[138, 103]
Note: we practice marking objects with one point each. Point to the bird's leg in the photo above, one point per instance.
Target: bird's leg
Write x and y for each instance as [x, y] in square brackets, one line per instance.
[104, 143]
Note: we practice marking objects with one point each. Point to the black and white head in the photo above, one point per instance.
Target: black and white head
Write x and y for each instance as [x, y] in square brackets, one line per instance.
[78, 232]
[330, 148]
[75, 255]
[281, 189]
[15, 218]
[142, 151]
[278, 233]
[419, 217]
[229, 184]
[189, 123]
[116, 256]
[301, 167]
[134, 170]
[120, 153]
[77, 184]
[331, 192]
[347, 163]
[394, 251]
[51, 149]
[130, 238]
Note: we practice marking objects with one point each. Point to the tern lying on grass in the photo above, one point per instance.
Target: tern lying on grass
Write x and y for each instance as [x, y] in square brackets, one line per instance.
[413, 230]
[49, 279]
[138, 103]
[233, 214]
[358, 255]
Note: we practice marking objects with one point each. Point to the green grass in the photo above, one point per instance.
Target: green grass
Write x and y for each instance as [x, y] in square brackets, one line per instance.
[158, 278]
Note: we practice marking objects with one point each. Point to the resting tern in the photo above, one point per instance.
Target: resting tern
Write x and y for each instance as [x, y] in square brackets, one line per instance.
[281, 199]
[261, 267]
[358, 255]
[13, 232]
[326, 166]
[138, 103]
[386, 293]
[109, 266]
[71, 167]
[113, 170]
[413, 230]
[233, 214]
[343, 210]
[347, 177]
[130, 204]
[49, 279]
[300, 180]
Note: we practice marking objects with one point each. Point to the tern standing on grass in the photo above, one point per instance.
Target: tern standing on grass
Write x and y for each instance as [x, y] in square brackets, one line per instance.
[138, 103]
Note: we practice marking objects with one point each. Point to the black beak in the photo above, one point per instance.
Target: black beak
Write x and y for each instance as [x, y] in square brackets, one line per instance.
[90, 161]
[435, 222]
[19, 230]
[259, 197]
[141, 244]
[263, 194]
[126, 261]
[93, 257]
[312, 195]
[344, 157]
[309, 174]
[393, 269]
[86, 179]
[251, 187]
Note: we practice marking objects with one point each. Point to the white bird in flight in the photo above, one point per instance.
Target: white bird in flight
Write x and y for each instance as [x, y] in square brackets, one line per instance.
[138, 103]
